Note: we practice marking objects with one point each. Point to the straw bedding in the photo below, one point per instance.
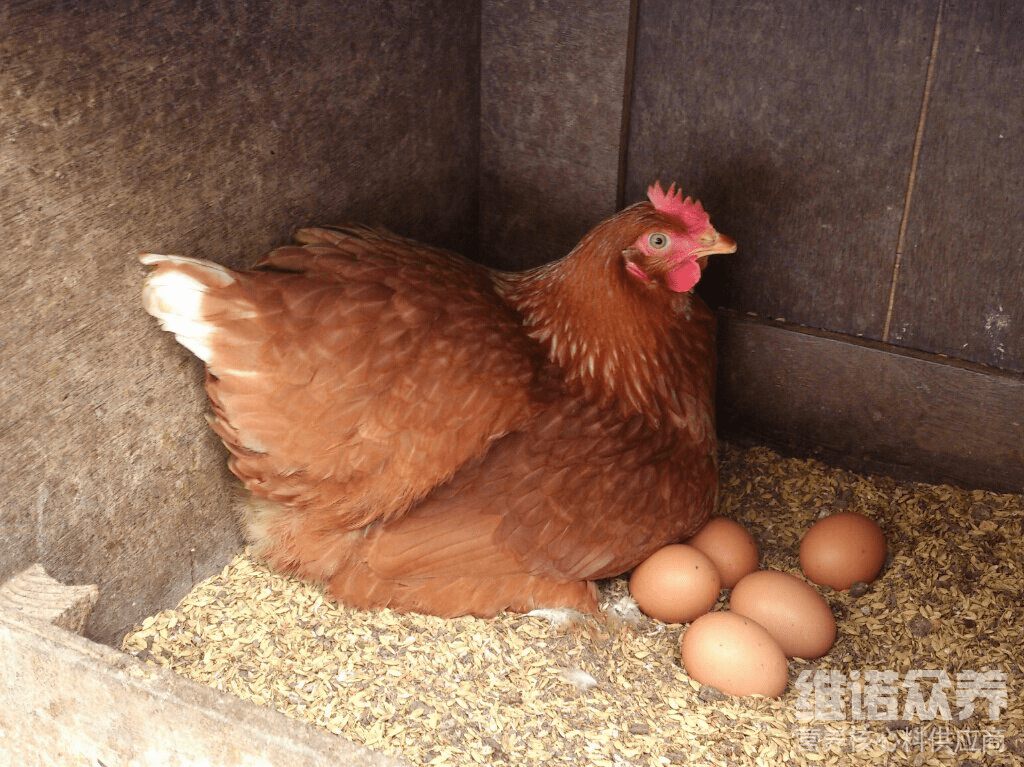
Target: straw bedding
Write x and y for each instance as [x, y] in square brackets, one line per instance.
[528, 690]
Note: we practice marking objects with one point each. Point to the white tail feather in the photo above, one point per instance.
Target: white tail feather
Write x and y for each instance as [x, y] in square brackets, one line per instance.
[220, 274]
[175, 298]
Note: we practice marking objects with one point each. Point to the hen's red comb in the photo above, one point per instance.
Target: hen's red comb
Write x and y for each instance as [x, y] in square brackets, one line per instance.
[671, 203]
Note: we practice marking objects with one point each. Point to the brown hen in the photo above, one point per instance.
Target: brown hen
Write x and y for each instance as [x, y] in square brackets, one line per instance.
[422, 433]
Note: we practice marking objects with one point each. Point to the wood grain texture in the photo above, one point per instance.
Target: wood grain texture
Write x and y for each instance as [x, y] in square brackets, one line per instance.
[961, 285]
[205, 129]
[794, 123]
[866, 406]
[36, 595]
[552, 83]
[66, 700]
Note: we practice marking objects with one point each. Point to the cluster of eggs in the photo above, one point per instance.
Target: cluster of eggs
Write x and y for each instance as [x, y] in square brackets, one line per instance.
[772, 615]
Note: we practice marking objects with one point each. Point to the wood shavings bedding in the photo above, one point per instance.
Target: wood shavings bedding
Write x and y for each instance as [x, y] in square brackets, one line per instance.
[520, 690]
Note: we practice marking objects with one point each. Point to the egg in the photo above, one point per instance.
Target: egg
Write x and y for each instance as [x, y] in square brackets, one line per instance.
[841, 550]
[791, 610]
[734, 654]
[729, 546]
[675, 584]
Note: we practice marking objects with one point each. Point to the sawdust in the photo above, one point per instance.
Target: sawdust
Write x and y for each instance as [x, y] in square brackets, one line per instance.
[522, 690]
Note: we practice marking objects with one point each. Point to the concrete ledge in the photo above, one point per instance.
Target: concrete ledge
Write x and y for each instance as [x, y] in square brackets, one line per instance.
[65, 700]
[35, 594]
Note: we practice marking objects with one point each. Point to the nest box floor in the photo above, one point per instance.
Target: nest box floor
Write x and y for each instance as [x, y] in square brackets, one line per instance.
[521, 691]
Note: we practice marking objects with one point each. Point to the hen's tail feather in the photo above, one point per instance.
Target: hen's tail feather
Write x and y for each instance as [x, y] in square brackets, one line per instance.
[182, 294]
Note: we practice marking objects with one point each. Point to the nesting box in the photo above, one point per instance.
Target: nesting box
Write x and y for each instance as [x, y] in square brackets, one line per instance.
[867, 159]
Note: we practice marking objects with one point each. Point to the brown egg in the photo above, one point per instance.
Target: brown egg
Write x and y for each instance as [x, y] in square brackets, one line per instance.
[841, 550]
[792, 611]
[735, 655]
[675, 584]
[729, 546]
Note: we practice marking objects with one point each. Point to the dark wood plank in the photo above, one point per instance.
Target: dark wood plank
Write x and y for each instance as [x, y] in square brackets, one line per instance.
[207, 129]
[552, 85]
[961, 286]
[864, 405]
[794, 122]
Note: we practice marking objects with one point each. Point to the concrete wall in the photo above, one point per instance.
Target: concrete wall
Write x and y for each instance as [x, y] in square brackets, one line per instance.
[207, 129]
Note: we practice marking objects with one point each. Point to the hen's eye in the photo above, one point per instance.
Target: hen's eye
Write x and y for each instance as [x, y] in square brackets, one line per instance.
[658, 240]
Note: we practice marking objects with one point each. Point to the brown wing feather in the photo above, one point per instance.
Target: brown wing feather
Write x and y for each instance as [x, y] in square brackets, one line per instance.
[613, 490]
[577, 494]
[532, 525]
[361, 383]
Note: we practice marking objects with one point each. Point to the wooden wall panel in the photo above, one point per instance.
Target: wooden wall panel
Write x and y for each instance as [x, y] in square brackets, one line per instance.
[552, 89]
[869, 160]
[961, 285]
[208, 129]
[864, 405]
[794, 123]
